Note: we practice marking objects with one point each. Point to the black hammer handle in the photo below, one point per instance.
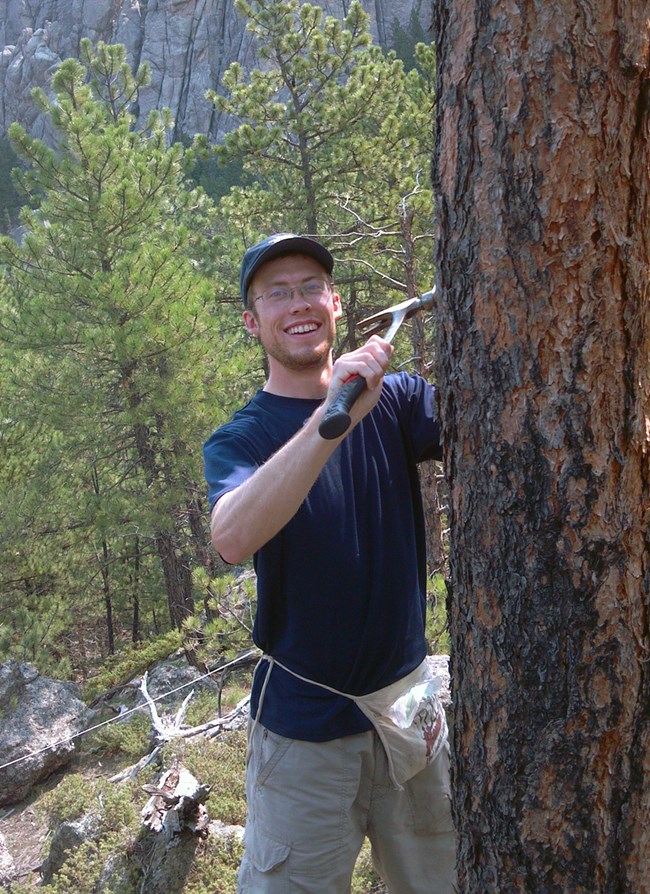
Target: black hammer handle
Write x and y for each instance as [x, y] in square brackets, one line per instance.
[336, 420]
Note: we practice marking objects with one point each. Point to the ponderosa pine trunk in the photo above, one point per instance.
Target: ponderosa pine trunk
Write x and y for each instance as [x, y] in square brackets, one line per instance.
[543, 261]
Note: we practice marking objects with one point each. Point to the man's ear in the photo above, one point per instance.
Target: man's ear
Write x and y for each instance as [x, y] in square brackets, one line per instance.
[251, 323]
[336, 304]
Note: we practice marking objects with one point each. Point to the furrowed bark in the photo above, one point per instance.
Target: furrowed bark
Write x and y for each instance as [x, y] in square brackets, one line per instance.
[543, 330]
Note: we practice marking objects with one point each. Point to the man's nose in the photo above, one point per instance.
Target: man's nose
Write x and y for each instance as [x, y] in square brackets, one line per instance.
[303, 300]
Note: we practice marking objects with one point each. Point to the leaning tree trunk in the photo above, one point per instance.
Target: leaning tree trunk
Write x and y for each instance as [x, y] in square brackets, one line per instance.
[543, 257]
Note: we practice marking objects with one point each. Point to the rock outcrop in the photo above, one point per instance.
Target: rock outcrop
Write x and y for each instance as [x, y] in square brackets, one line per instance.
[38, 719]
[187, 43]
[68, 837]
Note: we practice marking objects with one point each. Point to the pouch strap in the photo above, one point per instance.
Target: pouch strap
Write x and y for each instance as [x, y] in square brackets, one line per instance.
[273, 661]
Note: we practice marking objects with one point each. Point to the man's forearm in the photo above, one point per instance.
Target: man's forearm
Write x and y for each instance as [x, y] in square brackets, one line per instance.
[246, 518]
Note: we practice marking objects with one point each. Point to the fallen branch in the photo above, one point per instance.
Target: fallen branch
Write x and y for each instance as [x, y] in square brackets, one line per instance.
[165, 731]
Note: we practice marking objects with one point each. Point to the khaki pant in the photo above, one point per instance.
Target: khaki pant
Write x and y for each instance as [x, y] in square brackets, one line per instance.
[311, 804]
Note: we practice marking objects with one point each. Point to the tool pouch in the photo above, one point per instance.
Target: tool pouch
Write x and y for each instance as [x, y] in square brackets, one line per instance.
[410, 721]
[407, 715]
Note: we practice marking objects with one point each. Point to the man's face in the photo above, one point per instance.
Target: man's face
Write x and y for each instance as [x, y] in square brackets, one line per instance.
[298, 335]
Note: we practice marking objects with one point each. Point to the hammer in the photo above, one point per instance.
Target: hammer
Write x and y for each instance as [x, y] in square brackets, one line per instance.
[336, 420]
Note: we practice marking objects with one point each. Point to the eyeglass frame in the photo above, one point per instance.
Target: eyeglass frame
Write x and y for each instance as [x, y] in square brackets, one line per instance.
[282, 302]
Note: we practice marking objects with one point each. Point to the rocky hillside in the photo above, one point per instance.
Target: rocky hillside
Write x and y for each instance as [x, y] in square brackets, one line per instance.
[78, 814]
[187, 43]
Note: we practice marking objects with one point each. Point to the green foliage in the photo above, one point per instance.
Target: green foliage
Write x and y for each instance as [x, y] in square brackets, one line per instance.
[365, 880]
[215, 868]
[130, 738]
[216, 178]
[437, 628]
[77, 795]
[201, 709]
[131, 661]
[231, 605]
[220, 763]
[120, 807]
[405, 40]
[72, 797]
[117, 808]
[81, 871]
[108, 346]
[39, 622]
[289, 108]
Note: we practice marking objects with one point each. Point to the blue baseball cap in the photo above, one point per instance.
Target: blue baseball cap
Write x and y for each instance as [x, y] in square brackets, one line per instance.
[281, 244]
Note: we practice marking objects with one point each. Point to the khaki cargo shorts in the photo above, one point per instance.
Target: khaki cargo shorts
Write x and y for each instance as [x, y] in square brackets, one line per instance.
[311, 804]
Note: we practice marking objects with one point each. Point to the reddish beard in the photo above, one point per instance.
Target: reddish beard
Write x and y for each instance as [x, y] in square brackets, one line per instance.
[300, 358]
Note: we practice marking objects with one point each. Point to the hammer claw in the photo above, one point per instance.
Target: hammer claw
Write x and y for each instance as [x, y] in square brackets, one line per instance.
[390, 320]
[336, 419]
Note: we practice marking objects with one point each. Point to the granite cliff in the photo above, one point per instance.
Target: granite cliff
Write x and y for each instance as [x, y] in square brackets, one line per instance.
[187, 43]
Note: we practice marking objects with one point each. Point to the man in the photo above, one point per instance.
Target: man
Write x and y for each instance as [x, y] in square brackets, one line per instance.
[336, 530]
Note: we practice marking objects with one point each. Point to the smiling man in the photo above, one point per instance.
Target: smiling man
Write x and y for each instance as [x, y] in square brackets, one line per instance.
[336, 531]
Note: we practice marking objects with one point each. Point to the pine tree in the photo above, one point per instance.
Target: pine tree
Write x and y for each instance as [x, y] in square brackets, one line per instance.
[334, 138]
[106, 337]
[542, 180]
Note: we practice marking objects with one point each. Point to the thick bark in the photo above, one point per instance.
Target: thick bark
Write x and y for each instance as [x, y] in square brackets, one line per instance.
[543, 258]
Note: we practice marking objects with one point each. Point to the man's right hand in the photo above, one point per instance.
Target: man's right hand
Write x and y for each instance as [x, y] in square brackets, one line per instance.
[370, 361]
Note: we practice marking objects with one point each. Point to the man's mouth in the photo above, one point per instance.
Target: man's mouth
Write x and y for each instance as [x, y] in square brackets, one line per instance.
[302, 328]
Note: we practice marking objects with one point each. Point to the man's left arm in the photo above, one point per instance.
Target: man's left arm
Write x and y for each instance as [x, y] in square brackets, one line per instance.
[424, 420]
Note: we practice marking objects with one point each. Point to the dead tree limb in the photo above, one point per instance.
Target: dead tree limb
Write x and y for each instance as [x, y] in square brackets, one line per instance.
[177, 803]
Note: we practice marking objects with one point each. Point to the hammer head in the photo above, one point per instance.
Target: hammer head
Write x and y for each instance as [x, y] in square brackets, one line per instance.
[388, 321]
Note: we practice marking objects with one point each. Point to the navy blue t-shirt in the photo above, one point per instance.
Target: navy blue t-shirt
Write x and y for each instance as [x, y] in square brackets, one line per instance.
[342, 588]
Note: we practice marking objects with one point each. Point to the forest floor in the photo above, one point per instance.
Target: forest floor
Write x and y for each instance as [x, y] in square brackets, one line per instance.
[25, 827]
[25, 832]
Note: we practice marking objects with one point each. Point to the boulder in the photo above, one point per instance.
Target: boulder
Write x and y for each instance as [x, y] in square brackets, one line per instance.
[172, 673]
[40, 717]
[67, 838]
[164, 677]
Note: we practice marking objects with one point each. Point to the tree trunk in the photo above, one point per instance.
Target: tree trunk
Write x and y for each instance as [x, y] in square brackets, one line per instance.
[104, 563]
[178, 577]
[173, 557]
[541, 175]
[134, 579]
[108, 598]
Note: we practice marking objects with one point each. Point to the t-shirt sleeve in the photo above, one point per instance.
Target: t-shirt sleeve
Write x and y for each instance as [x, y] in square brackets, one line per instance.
[228, 461]
[423, 419]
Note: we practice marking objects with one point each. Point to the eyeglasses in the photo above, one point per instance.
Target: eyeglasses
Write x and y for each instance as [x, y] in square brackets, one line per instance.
[312, 290]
